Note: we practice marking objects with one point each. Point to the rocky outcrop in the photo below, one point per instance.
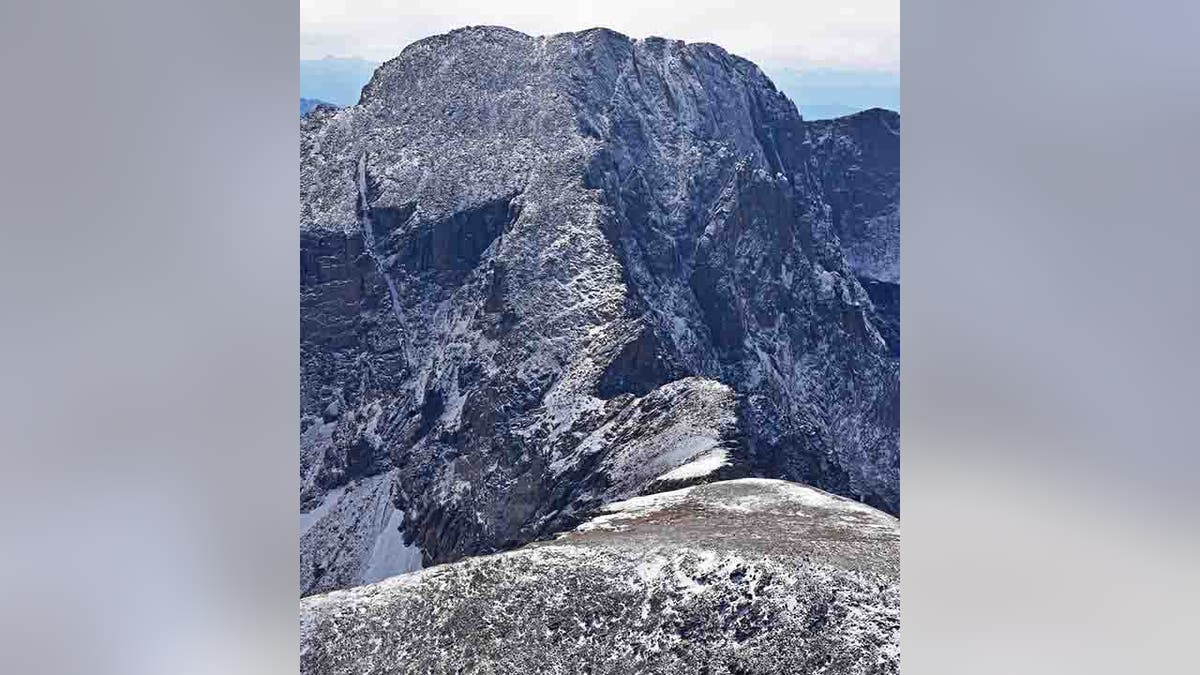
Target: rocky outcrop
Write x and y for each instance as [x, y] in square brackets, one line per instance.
[539, 274]
[858, 160]
[744, 576]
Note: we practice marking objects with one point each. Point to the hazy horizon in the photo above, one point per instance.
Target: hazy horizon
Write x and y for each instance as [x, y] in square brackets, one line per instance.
[859, 35]
[818, 92]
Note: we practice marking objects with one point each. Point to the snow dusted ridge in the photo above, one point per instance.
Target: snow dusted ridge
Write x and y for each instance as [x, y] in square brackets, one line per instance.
[542, 274]
[743, 576]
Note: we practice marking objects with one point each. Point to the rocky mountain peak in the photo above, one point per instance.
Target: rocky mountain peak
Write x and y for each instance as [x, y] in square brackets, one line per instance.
[542, 274]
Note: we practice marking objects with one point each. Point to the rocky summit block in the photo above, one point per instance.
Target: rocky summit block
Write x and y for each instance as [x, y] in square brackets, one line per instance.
[541, 274]
[743, 576]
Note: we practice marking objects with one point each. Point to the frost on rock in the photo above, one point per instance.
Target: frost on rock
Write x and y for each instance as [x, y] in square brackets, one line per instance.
[353, 537]
[791, 581]
[542, 274]
[858, 161]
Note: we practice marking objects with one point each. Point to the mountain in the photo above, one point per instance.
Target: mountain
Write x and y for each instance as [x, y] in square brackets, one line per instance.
[825, 93]
[742, 576]
[819, 94]
[859, 160]
[336, 80]
[540, 275]
[307, 105]
[823, 111]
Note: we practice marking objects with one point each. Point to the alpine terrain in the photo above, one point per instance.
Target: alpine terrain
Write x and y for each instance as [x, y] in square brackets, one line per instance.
[604, 335]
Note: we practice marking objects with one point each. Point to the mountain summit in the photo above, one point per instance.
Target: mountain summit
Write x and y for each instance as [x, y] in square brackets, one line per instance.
[544, 274]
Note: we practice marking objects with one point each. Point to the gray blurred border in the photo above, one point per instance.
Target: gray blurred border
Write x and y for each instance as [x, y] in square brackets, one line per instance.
[1048, 308]
[150, 346]
[150, 340]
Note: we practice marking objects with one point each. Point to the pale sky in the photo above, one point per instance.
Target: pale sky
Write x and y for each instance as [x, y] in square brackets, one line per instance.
[854, 34]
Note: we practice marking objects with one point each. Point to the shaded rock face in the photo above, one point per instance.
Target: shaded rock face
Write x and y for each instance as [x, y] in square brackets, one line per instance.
[539, 273]
[743, 576]
[858, 160]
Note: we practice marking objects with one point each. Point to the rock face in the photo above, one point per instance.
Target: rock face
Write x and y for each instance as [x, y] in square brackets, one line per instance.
[542, 274]
[744, 576]
[858, 161]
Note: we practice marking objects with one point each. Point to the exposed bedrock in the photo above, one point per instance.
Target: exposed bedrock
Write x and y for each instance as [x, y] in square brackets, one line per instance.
[540, 274]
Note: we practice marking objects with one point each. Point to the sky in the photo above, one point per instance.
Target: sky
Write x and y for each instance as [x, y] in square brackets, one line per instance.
[853, 35]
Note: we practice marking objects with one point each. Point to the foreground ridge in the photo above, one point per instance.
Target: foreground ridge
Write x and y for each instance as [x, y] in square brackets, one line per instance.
[742, 576]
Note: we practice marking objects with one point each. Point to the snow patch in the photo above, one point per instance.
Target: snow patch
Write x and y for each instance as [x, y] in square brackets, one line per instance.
[705, 465]
[796, 493]
[391, 556]
[307, 520]
[633, 508]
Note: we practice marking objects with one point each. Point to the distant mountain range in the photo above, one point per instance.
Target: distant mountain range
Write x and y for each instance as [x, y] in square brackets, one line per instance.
[818, 94]
[826, 93]
[307, 105]
[338, 81]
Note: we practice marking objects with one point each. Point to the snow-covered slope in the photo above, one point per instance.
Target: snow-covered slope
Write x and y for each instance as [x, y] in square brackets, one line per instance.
[541, 274]
[743, 576]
